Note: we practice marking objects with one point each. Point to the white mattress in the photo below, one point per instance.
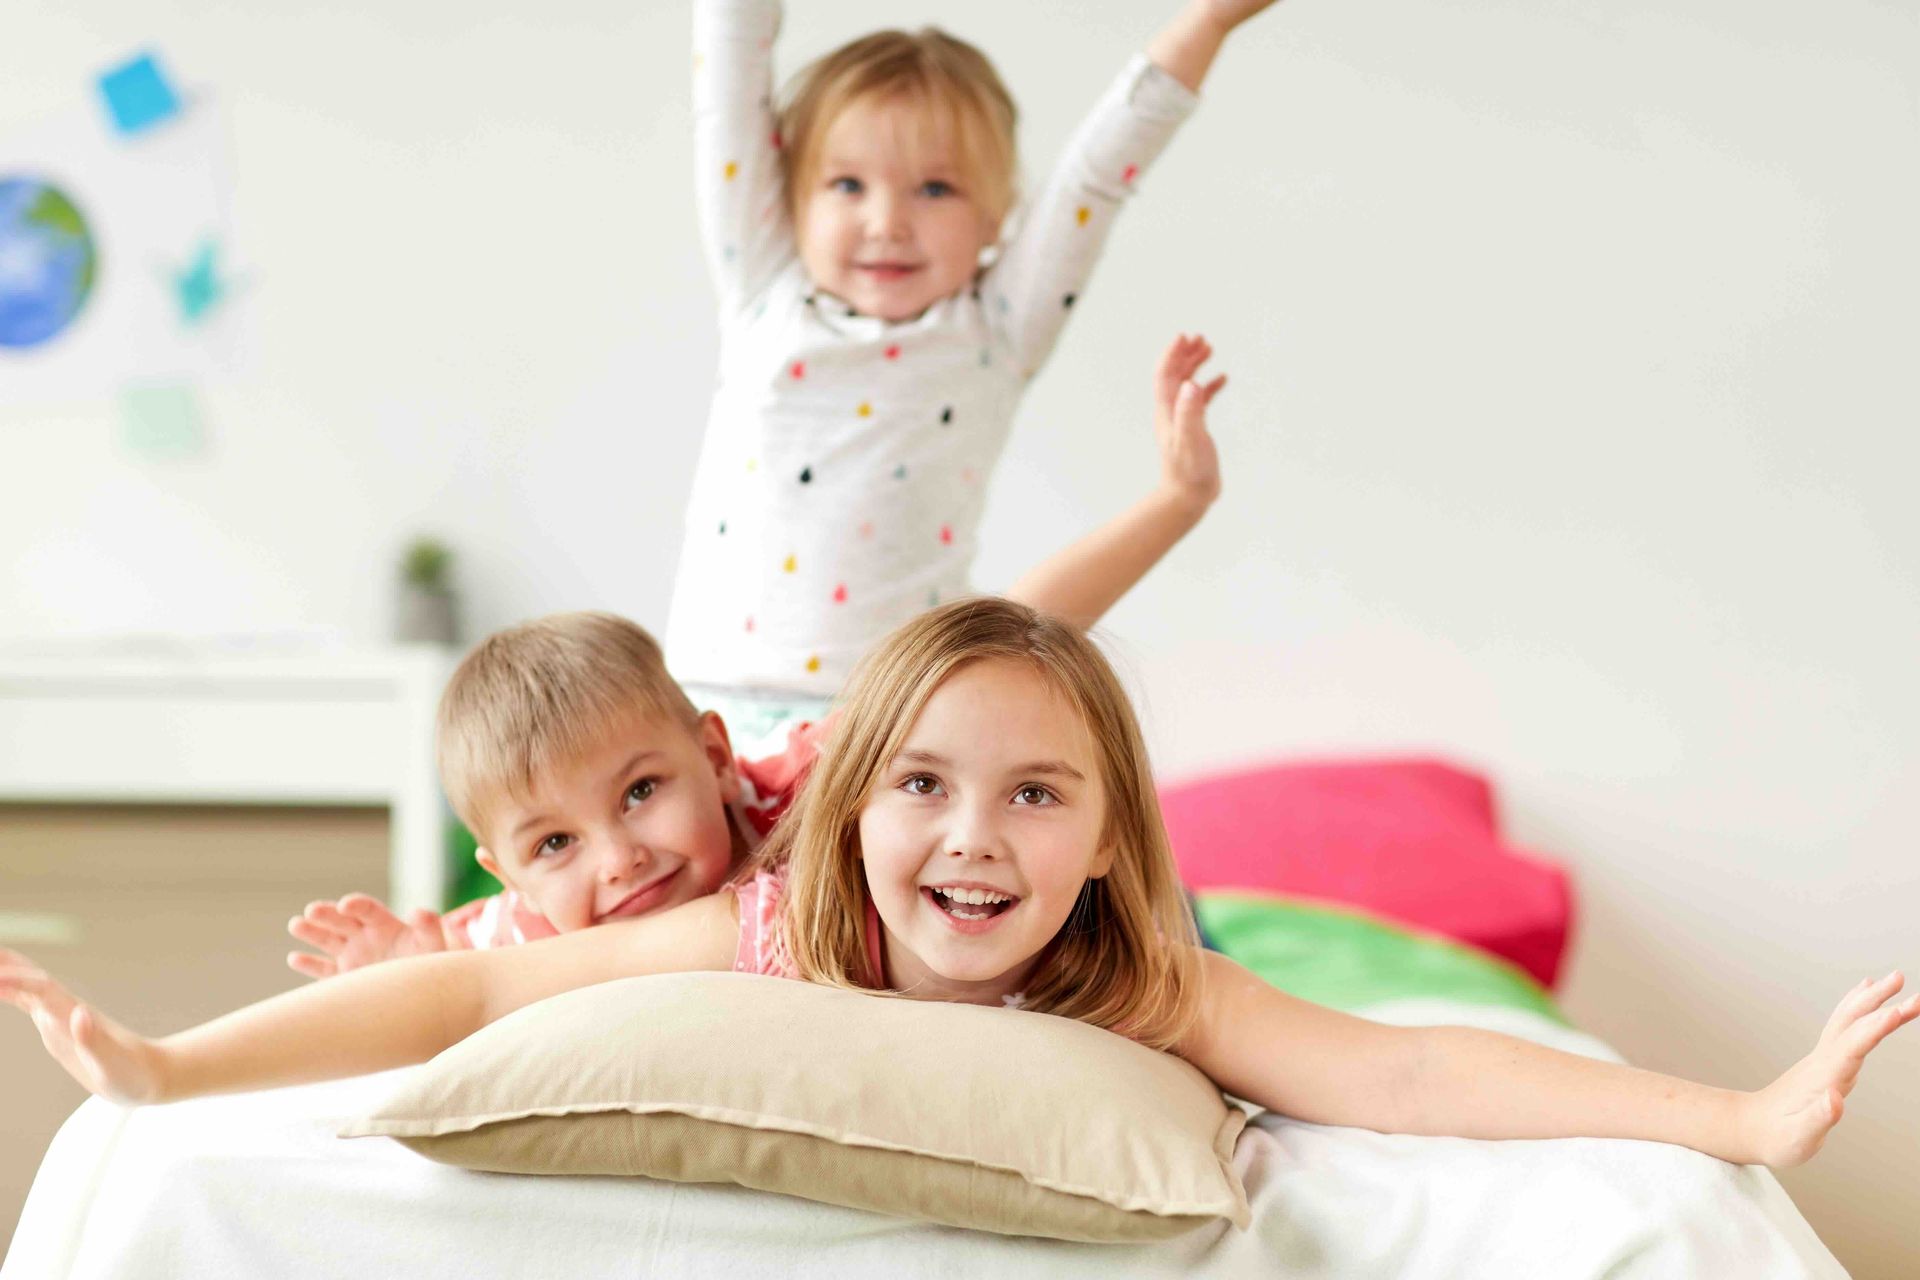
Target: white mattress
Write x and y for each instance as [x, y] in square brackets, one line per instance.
[256, 1186]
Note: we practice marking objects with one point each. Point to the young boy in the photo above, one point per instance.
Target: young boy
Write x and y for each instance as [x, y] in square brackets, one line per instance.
[598, 791]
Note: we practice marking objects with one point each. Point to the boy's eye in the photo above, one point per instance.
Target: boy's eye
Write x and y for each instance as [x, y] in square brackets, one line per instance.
[551, 845]
[1034, 794]
[845, 186]
[921, 784]
[642, 791]
[936, 188]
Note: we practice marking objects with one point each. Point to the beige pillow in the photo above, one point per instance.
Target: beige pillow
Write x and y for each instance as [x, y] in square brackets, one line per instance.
[998, 1119]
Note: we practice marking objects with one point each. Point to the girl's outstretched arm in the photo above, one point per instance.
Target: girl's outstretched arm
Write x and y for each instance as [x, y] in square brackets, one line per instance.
[1082, 582]
[1186, 47]
[1326, 1067]
[385, 1015]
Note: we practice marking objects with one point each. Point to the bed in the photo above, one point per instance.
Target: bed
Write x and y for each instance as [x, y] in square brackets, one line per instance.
[258, 1185]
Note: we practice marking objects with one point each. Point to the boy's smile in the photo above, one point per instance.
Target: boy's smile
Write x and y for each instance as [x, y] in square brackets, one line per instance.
[981, 833]
[632, 825]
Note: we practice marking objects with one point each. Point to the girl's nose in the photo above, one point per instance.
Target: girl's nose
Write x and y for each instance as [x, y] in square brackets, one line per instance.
[885, 215]
[974, 834]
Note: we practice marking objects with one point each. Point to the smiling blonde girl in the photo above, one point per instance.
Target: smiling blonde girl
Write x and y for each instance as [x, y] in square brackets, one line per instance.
[880, 319]
[987, 747]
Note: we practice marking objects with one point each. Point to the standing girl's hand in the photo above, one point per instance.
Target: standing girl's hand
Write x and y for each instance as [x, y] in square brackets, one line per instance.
[109, 1060]
[1789, 1119]
[1189, 463]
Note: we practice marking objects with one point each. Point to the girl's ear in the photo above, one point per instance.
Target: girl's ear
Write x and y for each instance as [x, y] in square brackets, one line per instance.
[718, 750]
[1102, 862]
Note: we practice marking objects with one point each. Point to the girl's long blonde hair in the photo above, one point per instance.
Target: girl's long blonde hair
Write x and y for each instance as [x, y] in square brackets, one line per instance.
[1125, 959]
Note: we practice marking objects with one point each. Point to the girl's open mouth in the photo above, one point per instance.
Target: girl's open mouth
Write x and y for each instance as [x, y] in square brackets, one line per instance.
[969, 909]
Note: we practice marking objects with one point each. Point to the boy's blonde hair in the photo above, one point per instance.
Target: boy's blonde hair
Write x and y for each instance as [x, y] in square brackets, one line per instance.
[542, 694]
[1125, 958]
[945, 78]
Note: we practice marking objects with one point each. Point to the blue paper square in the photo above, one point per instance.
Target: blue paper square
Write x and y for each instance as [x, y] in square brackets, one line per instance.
[138, 94]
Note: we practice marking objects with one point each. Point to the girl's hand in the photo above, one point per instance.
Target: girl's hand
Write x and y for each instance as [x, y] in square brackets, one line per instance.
[358, 931]
[1789, 1119]
[109, 1060]
[1189, 464]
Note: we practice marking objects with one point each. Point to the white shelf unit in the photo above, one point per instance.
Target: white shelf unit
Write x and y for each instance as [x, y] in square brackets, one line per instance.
[179, 724]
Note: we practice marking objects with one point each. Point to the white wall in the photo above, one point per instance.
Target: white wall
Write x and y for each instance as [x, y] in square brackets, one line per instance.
[1571, 431]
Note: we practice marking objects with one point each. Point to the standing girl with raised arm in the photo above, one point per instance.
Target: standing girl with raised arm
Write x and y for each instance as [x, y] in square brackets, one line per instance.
[879, 323]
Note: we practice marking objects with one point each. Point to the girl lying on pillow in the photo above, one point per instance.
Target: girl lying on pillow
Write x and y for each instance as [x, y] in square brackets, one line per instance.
[982, 828]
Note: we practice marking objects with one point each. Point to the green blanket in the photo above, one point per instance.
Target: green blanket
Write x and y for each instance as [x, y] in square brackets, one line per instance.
[1342, 957]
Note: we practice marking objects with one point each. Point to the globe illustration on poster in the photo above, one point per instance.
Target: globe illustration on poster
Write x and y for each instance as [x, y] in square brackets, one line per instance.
[47, 262]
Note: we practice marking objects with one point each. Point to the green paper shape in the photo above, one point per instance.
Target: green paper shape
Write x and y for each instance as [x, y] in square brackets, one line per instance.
[162, 423]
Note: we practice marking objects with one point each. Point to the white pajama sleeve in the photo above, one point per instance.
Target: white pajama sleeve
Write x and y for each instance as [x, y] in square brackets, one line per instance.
[1043, 270]
[736, 154]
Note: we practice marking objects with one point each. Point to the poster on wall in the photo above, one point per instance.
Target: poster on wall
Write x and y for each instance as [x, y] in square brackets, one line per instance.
[116, 257]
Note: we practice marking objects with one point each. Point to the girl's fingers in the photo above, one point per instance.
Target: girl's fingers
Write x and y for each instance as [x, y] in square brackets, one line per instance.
[1869, 995]
[1869, 1031]
[28, 988]
[1212, 389]
[1877, 994]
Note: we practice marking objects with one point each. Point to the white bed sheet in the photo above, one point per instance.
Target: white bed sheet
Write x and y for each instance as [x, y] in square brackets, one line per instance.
[256, 1186]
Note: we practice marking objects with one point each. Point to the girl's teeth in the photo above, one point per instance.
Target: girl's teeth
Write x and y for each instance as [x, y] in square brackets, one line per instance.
[972, 897]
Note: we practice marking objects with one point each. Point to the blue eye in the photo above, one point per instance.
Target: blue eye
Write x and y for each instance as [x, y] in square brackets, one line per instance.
[937, 188]
[845, 186]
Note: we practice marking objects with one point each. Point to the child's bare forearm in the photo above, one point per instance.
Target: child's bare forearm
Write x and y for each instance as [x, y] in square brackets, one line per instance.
[1478, 1084]
[381, 1016]
[1081, 583]
[1186, 47]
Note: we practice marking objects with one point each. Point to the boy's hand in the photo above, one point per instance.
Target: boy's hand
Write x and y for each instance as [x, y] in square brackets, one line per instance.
[1189, 464]
[1789, 1119]
[358, 931]
[109, 1060]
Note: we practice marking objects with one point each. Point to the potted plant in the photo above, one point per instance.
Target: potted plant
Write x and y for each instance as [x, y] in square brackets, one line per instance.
[428, 610]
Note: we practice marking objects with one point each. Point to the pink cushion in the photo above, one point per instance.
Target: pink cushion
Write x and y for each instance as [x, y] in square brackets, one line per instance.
[1411, 840]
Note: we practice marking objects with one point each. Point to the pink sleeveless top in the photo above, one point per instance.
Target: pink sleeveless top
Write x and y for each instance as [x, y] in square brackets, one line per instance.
[762, 949]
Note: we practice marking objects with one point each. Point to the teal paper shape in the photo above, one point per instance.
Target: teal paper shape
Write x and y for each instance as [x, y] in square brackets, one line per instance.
[198, 287]
[162, 423]
[139, 95]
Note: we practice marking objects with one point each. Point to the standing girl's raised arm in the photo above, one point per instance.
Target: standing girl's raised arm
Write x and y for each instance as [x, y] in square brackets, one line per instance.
[385, 1015]
[1325, 1067]
[737, 180]
[1045, 266]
